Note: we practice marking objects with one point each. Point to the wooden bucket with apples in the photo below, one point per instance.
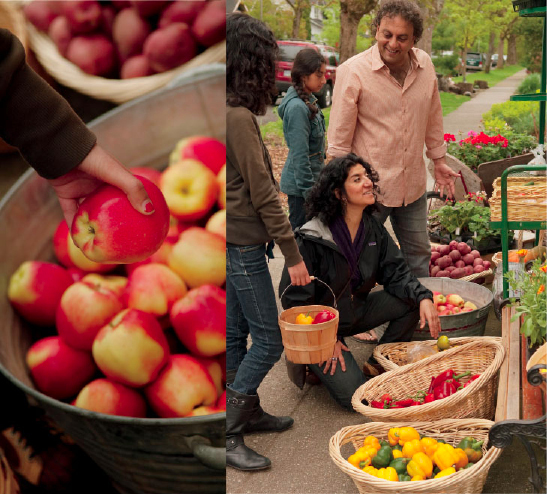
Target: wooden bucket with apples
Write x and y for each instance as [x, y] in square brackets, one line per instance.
[141, 455]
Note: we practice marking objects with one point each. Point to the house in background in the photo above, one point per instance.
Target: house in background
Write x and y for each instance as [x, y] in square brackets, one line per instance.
[316, 20]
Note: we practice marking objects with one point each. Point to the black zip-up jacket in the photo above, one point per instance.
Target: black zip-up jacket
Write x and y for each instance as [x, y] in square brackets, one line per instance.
[380, 262]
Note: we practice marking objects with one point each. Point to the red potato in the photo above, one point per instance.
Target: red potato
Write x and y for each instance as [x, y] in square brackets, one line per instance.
[463, 248]
[457, 273]
[435, 256]
[444, 250]
[468, 270]
[108, 14]
[434, 271]
[444, 262]
[468, 259]
[183, 11]
[84, 16]
[59, 32]
[147, 8]
[137, 66]
[129, 32]
[209, 27]
[170, 47]
[478, 269]
[455, 255]
[450, 268]
[460, 264]
[453, 245]
[477, 262]
[442, 274]
[475, 253]
[40, 14]
[121, 4]
[93, 53]
[486, 264]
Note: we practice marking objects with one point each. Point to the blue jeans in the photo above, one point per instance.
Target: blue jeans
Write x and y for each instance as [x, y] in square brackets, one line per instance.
[250, 310]
[410, 227]
[297, 211]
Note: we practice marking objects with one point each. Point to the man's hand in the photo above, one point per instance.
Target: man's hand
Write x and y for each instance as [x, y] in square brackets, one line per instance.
[97, 168]
[444, 177]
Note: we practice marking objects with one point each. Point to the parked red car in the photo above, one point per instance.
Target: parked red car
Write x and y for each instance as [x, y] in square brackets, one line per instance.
[287, 52]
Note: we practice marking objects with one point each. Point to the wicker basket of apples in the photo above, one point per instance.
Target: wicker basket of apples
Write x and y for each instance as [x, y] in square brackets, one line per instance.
[122, 341]
[458, 261]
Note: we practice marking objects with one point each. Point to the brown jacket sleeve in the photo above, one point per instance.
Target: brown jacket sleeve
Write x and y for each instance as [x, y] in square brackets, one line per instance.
[35, 118]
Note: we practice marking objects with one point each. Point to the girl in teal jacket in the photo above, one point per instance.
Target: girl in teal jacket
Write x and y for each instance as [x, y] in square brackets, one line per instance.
[304, 130]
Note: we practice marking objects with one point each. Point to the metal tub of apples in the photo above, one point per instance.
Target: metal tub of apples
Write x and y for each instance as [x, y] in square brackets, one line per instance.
[168, 435]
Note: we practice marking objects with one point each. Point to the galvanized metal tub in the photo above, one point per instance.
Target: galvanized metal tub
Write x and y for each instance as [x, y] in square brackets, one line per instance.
[142, 456]
[466, 323]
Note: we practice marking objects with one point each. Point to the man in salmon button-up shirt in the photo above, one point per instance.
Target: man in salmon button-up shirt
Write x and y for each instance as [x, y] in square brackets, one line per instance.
[386, 105]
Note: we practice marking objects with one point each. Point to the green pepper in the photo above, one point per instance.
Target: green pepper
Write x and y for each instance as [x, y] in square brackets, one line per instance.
[472, 448]
[398, 447]
[404, 477]
[383, 458]
[384, 443]
[400, 464]
[436, 470]
[469, 465]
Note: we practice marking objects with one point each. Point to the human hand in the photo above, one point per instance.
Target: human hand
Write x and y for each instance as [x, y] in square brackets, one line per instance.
[97, 168]
[299, 274]
[444, 177]
[429, 313]
[335, 359]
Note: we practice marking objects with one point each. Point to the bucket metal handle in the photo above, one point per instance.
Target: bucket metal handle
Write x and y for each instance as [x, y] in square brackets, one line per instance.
[209, 455]
[313, 278]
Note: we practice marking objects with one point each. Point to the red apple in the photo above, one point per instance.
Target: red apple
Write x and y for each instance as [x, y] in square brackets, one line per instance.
[150, 173]
[217, 223]
[107, 396]
[108, 229]
[211, 152]
[57, 369]
[190, 189]
[182, 385]
[199, 258]
[154, 288]
[160, 256]
[35, 290]
[199, 320]
[132, 349]
[204, 410]
[221, 181]
[213, 367]
[70, 256]
[76, 274]
[221, 402]
[84, 309]
[454, 299]
[116, 284]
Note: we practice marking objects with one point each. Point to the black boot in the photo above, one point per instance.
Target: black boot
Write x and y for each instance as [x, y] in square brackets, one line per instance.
[239, 409]
[260, 421]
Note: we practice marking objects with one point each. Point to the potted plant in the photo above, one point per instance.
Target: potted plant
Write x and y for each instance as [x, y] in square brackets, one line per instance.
[467, 221]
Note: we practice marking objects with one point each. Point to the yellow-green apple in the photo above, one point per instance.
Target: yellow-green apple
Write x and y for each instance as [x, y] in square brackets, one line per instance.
[211, 152]
[108, 229]
[221, 402]
[470, 305]
[213, 367]
[131, 349]
[58, 370]
[205, 410]
[217, 223]
[199, 320]
[199, 257]
[439, 299]
[116, 284]
[106, 396]
[150, 173]
[70, 256]
[221, 181]
[35, 290]
[466, 309]
[182, 385]
[84, 309]
[455, 300]
[154, 288]
[190, 189]
[441, 308]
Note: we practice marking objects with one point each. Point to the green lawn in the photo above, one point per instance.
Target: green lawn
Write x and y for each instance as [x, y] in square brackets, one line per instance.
[495, 75]
[451, 101]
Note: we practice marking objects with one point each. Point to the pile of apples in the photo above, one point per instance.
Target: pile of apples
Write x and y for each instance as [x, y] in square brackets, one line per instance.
[145, 339]
[452, 303]
[129, 39]
[455, 260]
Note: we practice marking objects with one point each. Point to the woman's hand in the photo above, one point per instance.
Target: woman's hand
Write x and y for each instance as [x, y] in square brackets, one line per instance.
[429, 313]
[299, 274]
[336, 359]
[97, 168]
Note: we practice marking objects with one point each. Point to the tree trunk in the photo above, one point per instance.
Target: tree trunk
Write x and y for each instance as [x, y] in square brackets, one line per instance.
[512, 49]
[351, 12]
[426, 39]
[491, 47]
[296, 22]
[500, 53]
[430, 13]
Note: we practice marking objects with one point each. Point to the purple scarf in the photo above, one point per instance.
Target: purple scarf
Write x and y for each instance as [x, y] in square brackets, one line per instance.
[351, 250]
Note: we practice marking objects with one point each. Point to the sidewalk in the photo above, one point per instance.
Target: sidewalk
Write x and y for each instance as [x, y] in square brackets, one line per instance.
[300, 459]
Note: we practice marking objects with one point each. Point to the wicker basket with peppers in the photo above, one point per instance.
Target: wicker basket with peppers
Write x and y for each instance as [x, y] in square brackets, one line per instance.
[459, 383]
[451, 453]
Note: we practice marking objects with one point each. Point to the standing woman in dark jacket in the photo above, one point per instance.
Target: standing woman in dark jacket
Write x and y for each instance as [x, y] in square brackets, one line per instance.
[304, 131]
[255, 218]
[344, 246]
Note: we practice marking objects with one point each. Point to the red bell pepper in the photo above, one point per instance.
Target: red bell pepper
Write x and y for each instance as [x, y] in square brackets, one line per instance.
[429, 397]
[379, 404]
[430, 390]
[402, 403]
[471, 379]
[323, 316]
[415, 403]
[446, 389]
[444, 376]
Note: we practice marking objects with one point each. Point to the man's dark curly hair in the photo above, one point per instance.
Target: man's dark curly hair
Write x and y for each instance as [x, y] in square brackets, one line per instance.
[251, 52]
[408, 10]
[322, 200]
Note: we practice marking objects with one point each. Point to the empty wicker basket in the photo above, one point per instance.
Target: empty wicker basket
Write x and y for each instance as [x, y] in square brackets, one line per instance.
[524, 202]
[483, 357]
[469, 480]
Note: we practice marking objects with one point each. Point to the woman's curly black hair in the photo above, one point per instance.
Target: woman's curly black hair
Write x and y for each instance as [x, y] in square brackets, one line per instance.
[251, 52]
[307, 62]
[407, 9]
[322, 200]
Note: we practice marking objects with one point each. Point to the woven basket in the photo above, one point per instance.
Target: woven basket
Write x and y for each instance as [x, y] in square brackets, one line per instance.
[114, 90]
[483, 357]
[524, 202]
[391, 356]
[470, 480]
